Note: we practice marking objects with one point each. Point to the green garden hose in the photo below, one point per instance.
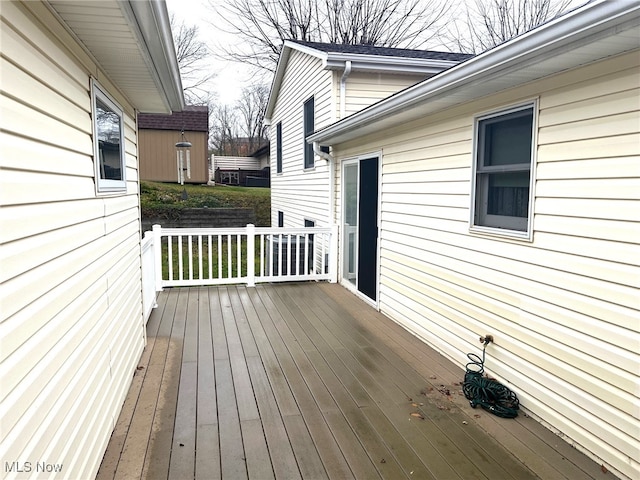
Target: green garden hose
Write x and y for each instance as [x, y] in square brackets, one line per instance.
[486, 392]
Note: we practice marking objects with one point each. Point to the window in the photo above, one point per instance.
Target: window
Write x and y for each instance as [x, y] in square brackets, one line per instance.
[279, 147]
[309, 112]
[280, 219]
[503, 163]
[108, 128]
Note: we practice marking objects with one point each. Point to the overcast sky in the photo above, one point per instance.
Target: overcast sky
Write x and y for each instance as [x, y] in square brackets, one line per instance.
[230, 76]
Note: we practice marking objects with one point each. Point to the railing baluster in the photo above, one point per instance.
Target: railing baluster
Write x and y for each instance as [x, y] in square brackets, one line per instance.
[261, 255]
[219, 254]
[210, 251]
[170, 256]
[306, 253]
[180, 265]
[239, 255]
[280, 238]
[288, 254]
[229, 257]
[200, 257]
[323, 253]
[190, 252]
[296, 254]
[271, 255]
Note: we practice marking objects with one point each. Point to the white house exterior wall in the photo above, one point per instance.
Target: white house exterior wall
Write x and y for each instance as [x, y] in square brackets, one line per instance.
[300, 194]
[71, 317]
[245, 163]
[564, 307]
[366, 88]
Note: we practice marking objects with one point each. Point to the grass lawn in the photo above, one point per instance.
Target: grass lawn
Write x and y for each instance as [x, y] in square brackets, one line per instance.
[165, 199]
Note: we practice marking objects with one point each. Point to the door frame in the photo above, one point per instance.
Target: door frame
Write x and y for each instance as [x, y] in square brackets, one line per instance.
[343, 281]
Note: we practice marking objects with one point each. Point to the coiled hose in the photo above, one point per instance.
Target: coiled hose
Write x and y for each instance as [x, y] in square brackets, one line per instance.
[489, 394]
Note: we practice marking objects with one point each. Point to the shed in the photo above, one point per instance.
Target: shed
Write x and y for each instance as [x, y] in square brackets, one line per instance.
[158, 137]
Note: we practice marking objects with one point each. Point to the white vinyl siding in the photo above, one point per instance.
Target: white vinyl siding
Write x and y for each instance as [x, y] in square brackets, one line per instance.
[297, 193]
[564, 308]
[240, 163]
[366, 88]
[71, 318]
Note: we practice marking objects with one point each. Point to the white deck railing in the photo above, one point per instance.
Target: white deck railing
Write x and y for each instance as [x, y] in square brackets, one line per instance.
[218, 256]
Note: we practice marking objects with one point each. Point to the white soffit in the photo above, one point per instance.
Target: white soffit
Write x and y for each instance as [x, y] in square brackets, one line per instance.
[132, 43]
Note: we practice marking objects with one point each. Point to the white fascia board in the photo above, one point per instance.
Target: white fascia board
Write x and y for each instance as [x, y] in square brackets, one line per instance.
[150, 20]
[276, 82]
[591, 23]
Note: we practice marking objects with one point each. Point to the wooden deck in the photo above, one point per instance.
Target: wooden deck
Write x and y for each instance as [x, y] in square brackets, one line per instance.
[307, 381]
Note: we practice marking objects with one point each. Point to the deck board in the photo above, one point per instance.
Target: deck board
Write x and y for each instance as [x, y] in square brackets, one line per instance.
[307, 381]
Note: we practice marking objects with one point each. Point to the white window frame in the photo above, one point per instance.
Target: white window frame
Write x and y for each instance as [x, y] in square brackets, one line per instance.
[501, 226]
[105, 185]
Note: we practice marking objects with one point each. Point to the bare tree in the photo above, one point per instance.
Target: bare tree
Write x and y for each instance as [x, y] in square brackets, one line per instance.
[191, 53]
[239, 130]
[263, 25]
[251, 109]
[224, 131]
[487, 23]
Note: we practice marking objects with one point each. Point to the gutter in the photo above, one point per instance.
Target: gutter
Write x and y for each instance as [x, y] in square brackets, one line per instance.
[560, 35]
[151, 22]
[378, 63]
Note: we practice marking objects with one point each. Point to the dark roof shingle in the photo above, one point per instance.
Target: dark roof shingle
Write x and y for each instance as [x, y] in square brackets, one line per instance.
[192, 118]
[384, 51]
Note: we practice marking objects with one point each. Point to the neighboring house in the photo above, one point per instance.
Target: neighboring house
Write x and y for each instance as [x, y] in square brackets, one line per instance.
[250, 171]
[503, 197]
[263, 154]
[74, 74]
[158, 135]
[316, 84]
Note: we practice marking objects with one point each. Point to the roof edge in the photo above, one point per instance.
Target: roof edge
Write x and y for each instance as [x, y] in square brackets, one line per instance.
[589, 20]
[359, 61]
[151, 21]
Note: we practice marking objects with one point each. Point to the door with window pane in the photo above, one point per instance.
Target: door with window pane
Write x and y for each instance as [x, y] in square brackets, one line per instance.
[360, 225]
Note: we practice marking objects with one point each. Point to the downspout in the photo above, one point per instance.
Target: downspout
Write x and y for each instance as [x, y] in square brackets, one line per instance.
[332, 166]
[343, 88]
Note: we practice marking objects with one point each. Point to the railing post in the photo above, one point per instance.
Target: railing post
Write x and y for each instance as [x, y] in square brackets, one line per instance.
[251, 255]
[333, 254]
[157, 254]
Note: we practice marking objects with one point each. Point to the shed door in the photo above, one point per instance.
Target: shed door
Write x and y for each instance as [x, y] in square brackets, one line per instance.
[360, 225]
